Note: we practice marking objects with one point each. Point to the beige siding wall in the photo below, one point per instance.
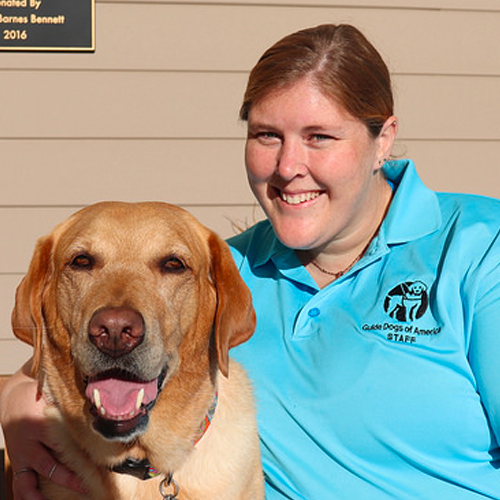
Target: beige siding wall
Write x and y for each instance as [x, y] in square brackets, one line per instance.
[152, 114]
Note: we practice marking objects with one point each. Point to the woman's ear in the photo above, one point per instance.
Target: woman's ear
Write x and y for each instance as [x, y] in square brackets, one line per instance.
[386, 139]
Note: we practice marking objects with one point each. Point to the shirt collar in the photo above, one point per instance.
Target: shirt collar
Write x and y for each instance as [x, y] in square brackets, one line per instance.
[414, 211]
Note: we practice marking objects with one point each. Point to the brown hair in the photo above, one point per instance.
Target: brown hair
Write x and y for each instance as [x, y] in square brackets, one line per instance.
[341, 61]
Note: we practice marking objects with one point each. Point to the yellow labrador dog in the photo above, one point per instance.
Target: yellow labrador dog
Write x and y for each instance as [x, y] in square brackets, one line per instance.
[132, 309]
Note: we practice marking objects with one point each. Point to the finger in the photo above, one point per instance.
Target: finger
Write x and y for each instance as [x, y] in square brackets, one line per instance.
[44, 463]
[25, 485]
[61, 475]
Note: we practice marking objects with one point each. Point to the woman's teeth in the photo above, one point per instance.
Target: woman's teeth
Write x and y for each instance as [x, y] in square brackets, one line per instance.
[295, 199]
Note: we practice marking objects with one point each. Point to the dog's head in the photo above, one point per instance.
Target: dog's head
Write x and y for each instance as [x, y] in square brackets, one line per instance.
[121, 298]
[417, 289]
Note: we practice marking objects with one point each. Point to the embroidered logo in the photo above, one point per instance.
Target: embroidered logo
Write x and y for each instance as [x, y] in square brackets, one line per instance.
[407, 301]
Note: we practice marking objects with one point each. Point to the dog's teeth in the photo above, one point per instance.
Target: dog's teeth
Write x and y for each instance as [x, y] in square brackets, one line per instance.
[102, 410]
[140, 399]
[97, 399]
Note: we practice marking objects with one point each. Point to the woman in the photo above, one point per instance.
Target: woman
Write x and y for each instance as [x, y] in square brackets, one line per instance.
[374, 357]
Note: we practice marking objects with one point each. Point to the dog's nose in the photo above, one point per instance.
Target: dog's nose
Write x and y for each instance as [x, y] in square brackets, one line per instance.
[116, 330]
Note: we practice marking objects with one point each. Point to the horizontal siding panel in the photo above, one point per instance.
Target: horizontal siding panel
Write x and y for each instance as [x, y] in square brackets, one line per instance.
[204, 105]
[83, 104]
[407, 4]
[456, 166]
[21, 227]
[13, 354]
[8, 284]
[190, 37]
[448, 107]
[75, 172]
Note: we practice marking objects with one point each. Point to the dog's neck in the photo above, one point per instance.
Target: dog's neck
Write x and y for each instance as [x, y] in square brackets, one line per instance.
[142, 469]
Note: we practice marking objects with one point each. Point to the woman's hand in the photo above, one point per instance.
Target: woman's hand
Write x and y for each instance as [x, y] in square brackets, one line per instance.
[24, 426]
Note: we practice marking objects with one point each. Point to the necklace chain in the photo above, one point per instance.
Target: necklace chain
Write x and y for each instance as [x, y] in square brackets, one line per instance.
[338, 274]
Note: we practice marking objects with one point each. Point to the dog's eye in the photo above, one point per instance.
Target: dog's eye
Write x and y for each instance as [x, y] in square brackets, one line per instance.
[172, 265]
[82, 261]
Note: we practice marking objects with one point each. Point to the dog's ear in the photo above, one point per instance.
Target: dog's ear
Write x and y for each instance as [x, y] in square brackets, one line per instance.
[27, 316]
[235, 316]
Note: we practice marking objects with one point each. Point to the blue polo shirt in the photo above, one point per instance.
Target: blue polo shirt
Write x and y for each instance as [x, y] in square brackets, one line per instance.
[386, 383]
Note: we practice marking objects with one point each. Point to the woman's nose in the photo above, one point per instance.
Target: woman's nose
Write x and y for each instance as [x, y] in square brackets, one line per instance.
[292, 159]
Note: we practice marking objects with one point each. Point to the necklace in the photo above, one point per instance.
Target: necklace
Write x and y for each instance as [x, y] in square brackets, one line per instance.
[338, 274]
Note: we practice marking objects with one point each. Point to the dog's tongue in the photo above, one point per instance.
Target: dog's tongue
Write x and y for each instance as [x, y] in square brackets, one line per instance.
[117, 399]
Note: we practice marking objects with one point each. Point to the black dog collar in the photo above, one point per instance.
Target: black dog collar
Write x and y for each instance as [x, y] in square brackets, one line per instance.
[141, 469]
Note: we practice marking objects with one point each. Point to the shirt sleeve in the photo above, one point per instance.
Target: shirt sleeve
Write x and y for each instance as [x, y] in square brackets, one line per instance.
[484, 349]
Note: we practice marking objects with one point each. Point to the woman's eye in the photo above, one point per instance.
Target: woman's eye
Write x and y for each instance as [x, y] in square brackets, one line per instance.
[321, 137]
[172, 265]
[320, 140]
[82, 261]
[268, 137]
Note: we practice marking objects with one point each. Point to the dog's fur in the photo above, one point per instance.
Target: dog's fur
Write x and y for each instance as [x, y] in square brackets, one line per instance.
[177, 280]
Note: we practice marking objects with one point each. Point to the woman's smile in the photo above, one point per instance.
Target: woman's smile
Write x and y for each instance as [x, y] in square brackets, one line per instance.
[298, 198]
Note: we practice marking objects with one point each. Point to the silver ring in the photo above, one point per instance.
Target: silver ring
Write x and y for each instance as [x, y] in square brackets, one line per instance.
[22, 471]
[168, 481]
[51, 473]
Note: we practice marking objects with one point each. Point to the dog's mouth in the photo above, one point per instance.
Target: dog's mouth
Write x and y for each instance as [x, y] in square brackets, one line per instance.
[120, 403]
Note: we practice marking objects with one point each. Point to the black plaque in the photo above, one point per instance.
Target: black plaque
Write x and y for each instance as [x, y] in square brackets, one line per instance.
[47, 25]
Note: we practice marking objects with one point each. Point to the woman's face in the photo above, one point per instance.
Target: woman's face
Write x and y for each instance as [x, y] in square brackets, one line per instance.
[314, 168]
